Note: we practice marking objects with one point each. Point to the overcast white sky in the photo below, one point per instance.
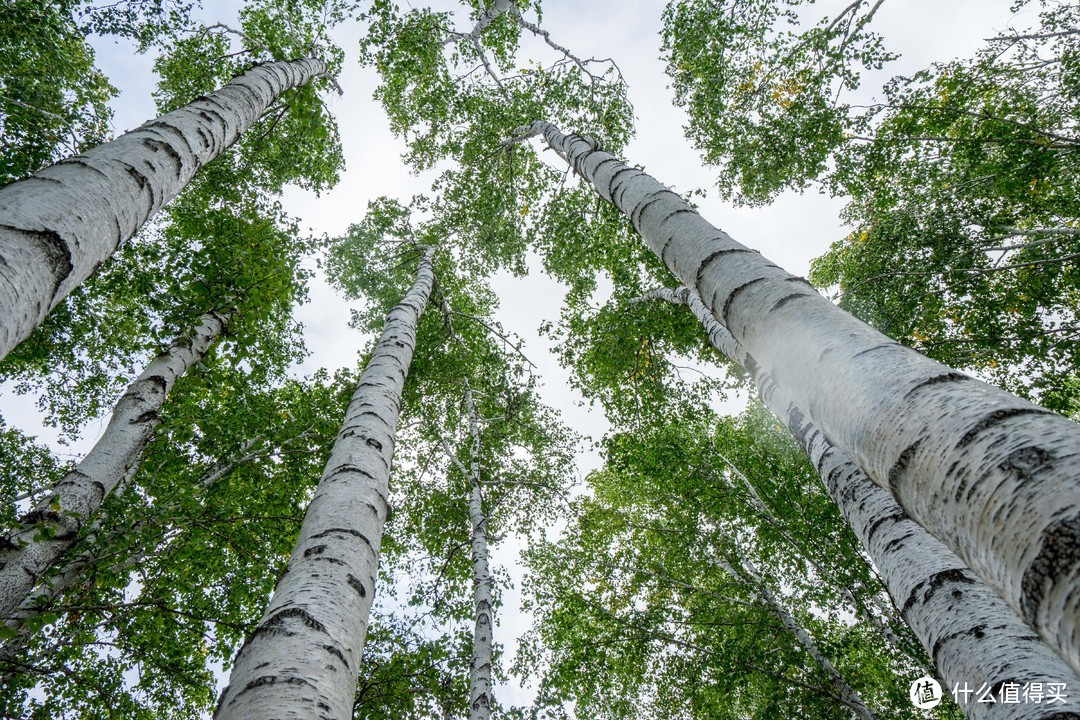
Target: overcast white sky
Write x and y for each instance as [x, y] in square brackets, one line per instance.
[791, 232]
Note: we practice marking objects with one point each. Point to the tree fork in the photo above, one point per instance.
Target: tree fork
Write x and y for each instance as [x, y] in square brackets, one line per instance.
[994, 477]
[58, 225]
[303, 658]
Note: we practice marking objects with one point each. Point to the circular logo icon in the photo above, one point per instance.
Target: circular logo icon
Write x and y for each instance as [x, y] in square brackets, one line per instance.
[925, 693]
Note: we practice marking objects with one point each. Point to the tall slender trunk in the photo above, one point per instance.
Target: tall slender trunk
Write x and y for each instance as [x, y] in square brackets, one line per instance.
[993, 476]
[303, 659]
[480, 698]
[59, 224]
[45, 593]
[970, 634]
[749, 576]
[52, 527]
[74, 570]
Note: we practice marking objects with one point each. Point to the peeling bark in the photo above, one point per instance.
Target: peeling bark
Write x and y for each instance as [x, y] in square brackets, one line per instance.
[480, 698]
[303, 658]
[59, 224]
[968, 631]
[994, 477]
[52, 527]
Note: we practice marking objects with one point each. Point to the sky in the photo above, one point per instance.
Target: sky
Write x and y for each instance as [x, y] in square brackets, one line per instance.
[790, 232]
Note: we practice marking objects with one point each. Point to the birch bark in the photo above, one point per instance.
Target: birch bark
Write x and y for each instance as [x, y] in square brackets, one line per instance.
[749, 576]
[303, 659]
[52, 527]
[480, 698]
[74, 569]
[994, 477]
[971, 635]
[46, 592]
[59, 224]
[488, 16]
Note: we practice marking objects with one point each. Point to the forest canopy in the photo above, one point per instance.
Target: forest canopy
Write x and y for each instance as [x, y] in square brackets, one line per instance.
[352, 367]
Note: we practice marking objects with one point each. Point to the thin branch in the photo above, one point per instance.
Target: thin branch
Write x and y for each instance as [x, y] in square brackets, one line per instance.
[975, 114]
[1033, 36]
[46, 113]
[495, 332]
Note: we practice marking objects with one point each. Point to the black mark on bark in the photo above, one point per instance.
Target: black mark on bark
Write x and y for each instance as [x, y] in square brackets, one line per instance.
[336, 653]
[901, 465]
[786, 299]
[56, 250]
[345, 531]
[273, 680]
[315, 550]
[936, 380]
[275, 624]
[1059, 553]
[875, 349]
[977, 631]
[934, 583]
[996, 418]
[155, 145]
[736, 291]
[356, 585]
[139, 178]
[892, 517]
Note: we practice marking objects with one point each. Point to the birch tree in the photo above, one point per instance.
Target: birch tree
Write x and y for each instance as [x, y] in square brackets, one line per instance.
[964, 626]
[243, 263]
[172, 573]
[305, 652]
[952, 176]
[50, 247]
[225, 242]
[480, 686]
[480, 458]
[219, 225]
[635, 619]
[876, 398]
[848, 695]
[50, 529]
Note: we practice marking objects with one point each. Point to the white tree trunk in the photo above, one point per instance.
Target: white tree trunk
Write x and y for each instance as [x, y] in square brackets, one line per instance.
[488, 16]
[968, 631]
[52, 527]
[973, 638]
[59, 224]
[750, 577]
[45, 594]
[993, 476]
[480, 698]
[303, 659]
